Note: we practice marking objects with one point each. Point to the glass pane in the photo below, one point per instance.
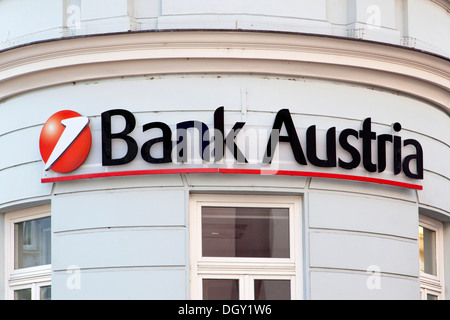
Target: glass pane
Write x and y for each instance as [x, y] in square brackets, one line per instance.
[432, 296]
[45, 293]
[32, 245]
[245, 232]
[427, 250]
[272, 289]
[220, 289]
[22, 294]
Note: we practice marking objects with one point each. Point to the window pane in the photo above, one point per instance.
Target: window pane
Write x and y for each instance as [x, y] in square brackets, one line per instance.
[220, 289]
[32, 245]
[45, 293]
[272, 289]
[22, 294]
[245, 232]
[427, 250]
[431, 296]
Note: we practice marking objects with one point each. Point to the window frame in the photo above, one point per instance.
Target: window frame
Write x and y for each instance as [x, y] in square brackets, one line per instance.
[433, 284]
[245, 269]
[30, 277]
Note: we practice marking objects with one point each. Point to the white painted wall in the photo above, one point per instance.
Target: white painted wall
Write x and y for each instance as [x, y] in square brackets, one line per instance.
[2, 253]
[28, 20]
[428, 27]
[129, 236]
[420, 24]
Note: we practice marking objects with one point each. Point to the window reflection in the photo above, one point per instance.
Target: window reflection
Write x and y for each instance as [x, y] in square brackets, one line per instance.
[427, 250]
[45, 293]
[272, 289]
[431, 296]
[220, 289]
[245, 232]
[22, 294]
[32, 244]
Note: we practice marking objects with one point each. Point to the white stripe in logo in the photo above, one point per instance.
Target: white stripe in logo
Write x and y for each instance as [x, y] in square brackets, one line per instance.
[74, 126]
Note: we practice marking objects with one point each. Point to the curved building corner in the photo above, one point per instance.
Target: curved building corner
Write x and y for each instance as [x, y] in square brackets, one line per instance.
[166, 150]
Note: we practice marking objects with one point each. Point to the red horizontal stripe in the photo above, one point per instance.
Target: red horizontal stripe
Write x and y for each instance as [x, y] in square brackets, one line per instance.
[235, 171]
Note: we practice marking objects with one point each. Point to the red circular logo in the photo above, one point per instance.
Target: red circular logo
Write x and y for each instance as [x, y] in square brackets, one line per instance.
[65, 141]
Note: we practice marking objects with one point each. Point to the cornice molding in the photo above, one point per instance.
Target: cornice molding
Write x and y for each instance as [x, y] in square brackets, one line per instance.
[395, 68]
[443, 3]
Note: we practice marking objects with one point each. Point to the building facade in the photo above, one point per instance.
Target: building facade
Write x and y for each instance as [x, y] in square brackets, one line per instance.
[222, 150]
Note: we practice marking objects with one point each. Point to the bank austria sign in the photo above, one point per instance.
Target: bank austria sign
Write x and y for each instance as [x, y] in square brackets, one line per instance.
[193, 146]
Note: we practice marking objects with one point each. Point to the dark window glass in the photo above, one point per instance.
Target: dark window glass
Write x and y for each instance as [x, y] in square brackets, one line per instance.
[272, 289]
[220, 289]
[46, 293]
[32, 243]
[22, 294]
[245, 232]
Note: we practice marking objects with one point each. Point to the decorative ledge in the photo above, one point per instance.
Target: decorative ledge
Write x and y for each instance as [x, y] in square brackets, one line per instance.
[36, 66]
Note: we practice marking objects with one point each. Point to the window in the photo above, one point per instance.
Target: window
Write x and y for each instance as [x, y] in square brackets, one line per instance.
[245, 247]
[28, 254]
[431, 258]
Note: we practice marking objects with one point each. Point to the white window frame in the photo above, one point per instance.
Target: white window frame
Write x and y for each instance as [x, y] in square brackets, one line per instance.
[32, 277]
[246, 269]
[433, 284]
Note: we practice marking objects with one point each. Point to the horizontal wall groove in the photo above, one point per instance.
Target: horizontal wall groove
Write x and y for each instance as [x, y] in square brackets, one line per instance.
[119, 228]
[121, 268]
[21, 164]
[437, 173]
[20, 129]
[362, 272]
[362, 233]
[112, 190]
[368, 193]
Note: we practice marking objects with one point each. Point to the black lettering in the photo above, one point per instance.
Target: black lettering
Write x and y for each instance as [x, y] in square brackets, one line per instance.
[367, 136]
[219, 134]
[229, 141]
[107, 136]
[284, 117]
[418, 156]
[381, 140]
[182, 141]
[411, 165]
[311, 149]
[397, 149]
[166, 139]
[343, 141]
